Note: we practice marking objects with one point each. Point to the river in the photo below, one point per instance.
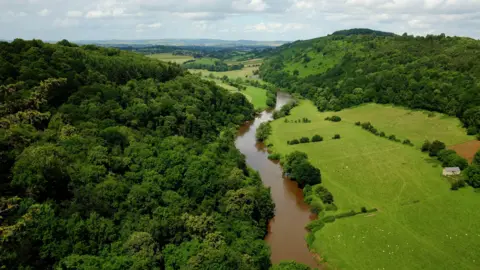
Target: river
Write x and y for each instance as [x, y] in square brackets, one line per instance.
[286, 234]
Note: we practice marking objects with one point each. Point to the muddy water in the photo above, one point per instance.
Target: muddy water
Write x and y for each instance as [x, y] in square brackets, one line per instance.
[286, 235]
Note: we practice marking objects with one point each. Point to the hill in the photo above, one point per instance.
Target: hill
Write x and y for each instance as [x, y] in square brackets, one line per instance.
[348, 68]
[112, 160]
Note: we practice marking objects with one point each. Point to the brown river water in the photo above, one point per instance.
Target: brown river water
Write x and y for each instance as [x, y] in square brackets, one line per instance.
[286, 234]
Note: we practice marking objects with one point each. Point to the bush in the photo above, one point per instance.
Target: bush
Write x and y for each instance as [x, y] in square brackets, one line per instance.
[458, 184]
[325, 195]
[392, 138]
[478, 136]
[263, 131]
[407, 142]
[450, 158]
[435, 147]
[317, 138]
[328, 219]
[357, 123]
[296, 164]
[304, 140]
[331, 207]
[382, 134]
[315, 225]
[336, 137]
[294, 141]
[274, 156]
[472, 130]
[426, 146]
[316, 207]
[334, 118]
[364, 209]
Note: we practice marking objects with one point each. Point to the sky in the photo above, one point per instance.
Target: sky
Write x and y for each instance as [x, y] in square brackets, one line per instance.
[231, 19]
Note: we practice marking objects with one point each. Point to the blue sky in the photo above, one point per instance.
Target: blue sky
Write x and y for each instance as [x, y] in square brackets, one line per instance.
[232, 20]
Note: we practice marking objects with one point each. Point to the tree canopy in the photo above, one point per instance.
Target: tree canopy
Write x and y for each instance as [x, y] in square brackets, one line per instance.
[110, 160]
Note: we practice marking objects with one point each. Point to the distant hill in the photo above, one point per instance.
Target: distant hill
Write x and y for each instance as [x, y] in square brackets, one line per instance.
[351, 67]
[362, 31]
[184, 42]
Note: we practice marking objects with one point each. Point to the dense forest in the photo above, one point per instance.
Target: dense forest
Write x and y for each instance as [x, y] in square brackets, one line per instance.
[351, 67]
[217, 66]
[111, 160]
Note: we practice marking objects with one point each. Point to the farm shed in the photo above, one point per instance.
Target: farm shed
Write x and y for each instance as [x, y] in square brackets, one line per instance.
[451, 171]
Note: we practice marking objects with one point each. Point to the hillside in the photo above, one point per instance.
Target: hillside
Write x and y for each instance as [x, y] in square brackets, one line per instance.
[348, 68]
[112, 160]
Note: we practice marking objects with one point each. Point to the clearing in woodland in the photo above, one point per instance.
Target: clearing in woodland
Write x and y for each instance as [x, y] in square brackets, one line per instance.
[168, 57]
[420, 223]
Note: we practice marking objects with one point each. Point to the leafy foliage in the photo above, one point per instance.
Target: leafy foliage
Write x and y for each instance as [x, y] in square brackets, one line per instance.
[110, 160]
[298, 168]
[351, 67]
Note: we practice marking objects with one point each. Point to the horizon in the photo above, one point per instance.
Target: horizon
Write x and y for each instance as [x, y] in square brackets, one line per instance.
[257, 20]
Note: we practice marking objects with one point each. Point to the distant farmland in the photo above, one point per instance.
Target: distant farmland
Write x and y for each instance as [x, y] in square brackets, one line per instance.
[420, 223]
[168, 57]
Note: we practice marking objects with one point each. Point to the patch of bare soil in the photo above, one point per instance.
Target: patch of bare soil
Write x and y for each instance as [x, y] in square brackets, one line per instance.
[466, 150]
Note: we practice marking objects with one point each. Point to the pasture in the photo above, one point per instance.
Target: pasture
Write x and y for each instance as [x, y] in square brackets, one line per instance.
[256, 96]
[233, 74]
[420, 223]
[168, 57]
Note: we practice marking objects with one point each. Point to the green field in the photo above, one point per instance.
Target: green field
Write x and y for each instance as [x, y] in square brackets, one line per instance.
[420, 223]
[256, 96]
[206, 61]
[168, 57]
[233, 74]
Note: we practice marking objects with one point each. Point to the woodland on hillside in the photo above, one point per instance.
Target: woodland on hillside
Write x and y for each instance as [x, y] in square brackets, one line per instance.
[111, 160]
[436, 73]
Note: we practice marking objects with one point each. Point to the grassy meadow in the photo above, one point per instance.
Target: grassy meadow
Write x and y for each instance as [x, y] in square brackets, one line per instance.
[168, 57]
[233, 74]
[420, 223]
[256, 96]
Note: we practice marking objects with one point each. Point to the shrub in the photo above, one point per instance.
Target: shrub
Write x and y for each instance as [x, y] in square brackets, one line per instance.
[316, 207]
[315, 225]
[458, 184]
[357, 123]
[294, 141]
[328, 219]
[336, 137]
[263, 131]
[325, 195]
[472, 130]
[407, 142]
[296, 164]
[435, 147]
[450, 158]
[478, 136]
[426, 146]
[472, 174]
[364, 209]
[274, 156]
[334, 118]
[331, 207]
[392, 137]
[304, 140]
[317, 138]
[382, 134]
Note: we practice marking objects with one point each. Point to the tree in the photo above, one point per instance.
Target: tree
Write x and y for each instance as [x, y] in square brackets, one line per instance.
[476, 158]
[304, 140]
[426, 146]
[336, 137]
[472, 174]
[290, 265]
[317, 138]
[435, 147]
[263, 131]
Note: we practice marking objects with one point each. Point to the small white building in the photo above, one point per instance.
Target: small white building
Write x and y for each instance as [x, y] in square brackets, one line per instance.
[451, 171]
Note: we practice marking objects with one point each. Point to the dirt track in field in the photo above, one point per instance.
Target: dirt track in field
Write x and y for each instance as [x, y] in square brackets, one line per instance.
[466, 150]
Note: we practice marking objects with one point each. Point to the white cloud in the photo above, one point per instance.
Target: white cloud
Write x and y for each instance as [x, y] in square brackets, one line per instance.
[143, 27]
[200, 15]
[16, 14]
[44, 12]
[274, 27]
[74, 14]
[65, 22]
[114, 12]
[249, 5]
